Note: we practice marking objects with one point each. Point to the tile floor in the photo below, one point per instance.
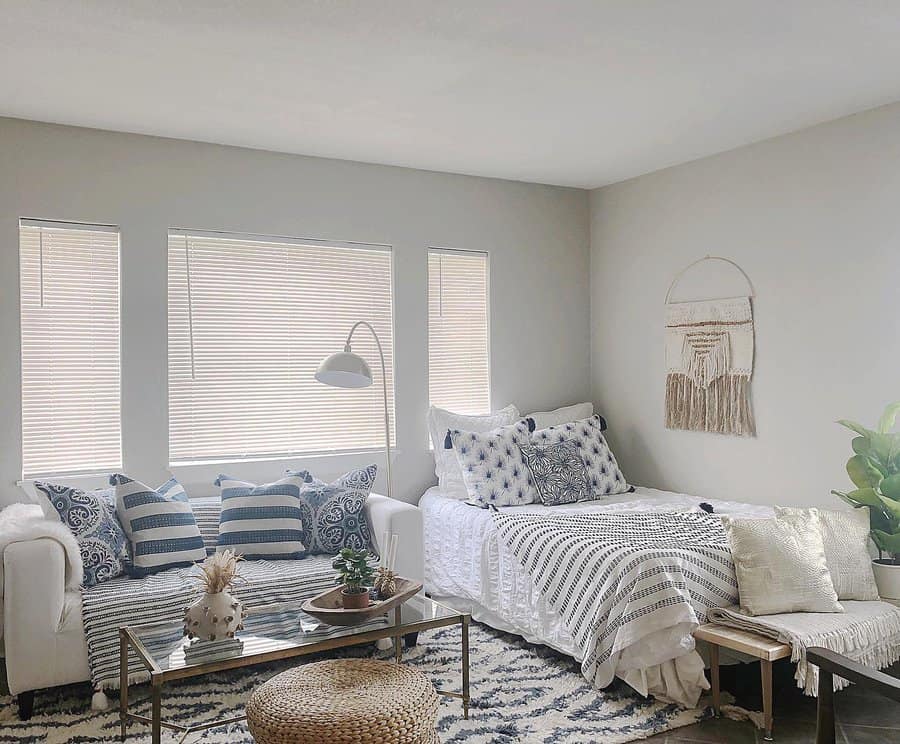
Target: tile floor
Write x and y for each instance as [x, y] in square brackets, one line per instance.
[862, 718]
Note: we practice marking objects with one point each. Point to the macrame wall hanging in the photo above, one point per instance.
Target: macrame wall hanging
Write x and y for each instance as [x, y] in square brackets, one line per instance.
[709, 361]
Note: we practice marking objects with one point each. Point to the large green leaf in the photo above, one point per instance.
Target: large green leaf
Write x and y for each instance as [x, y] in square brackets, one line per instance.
[886, 541]
[886, 422]
[861, 497]
[862, 472]
[861, 445]
[890, 487]
[892, 507]
[884, 447]
[858, 428]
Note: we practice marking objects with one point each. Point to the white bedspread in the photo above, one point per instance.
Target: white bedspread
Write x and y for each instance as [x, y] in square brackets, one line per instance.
[467, 566]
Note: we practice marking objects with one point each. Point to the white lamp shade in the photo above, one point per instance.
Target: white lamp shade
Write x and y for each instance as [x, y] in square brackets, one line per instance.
[345, 370]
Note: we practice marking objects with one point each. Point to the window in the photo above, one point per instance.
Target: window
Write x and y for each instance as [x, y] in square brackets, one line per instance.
[250, 319]
[69, 284]
[458, 368]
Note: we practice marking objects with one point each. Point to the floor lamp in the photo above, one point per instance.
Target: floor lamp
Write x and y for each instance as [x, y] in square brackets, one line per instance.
[344, 369]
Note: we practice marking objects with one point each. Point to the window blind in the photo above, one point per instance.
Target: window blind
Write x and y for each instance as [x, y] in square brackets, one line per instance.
[69, 286]
[250, 319]
[458, 351]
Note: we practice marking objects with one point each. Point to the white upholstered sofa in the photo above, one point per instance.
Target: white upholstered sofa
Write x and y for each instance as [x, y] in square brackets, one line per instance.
[44, 636]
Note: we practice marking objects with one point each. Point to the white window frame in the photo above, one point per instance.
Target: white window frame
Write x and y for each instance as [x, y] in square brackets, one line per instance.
[488, 318]
[361, 335]
[99, 469]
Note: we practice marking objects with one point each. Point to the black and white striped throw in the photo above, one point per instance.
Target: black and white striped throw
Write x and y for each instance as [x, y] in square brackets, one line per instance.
[615, 579]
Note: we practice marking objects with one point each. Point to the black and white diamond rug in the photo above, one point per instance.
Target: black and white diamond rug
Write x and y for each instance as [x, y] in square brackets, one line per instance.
[520, 693]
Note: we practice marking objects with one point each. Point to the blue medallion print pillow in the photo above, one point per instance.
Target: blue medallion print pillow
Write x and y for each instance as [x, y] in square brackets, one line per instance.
[262, 522]
[558, 471]
[604, 476]
[334, 514]
[492, 465]
[91, 518]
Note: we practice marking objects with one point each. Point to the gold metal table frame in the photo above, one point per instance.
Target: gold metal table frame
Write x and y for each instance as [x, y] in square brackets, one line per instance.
[129, 637]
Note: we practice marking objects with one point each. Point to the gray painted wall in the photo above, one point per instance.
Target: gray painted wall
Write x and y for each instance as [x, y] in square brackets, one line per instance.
[537, 237]
[814, 219]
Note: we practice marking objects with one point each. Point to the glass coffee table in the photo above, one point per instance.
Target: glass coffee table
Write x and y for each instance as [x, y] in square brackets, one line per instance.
[272, 633]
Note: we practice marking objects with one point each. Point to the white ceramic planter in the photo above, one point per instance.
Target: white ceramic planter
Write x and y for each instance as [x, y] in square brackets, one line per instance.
[887, 577]
[214, 617]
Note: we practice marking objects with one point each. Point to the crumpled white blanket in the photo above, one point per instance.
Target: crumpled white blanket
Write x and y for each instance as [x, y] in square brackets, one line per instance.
[20, 522]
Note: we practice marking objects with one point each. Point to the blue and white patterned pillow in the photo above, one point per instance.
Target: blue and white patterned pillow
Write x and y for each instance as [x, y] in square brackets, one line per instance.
[91, 518]
[492, 465]
[334, 514]
[160, 525]
[558, 471]
[261, 522]
[604, 476]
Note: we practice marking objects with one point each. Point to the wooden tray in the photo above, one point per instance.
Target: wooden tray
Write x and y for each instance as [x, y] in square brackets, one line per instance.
[328, 607]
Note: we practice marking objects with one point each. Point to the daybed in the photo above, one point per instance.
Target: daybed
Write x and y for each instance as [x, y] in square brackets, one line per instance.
[469, 567]
[45, 635]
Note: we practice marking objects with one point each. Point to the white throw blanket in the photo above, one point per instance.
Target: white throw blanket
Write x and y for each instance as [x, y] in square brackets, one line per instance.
[618, 579]
[21, 522]
[867, 632]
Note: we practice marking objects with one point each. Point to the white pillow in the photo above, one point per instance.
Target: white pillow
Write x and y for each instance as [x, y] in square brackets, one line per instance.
[845, 535]
[440, 421]
[493, 466]
[558, 416]
[780, 565]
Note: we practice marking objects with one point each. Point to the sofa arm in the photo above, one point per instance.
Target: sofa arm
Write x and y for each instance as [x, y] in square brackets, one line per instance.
[398, 517]
[43, 634]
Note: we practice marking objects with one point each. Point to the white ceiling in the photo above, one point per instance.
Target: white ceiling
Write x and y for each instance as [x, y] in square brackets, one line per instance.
[574, 92]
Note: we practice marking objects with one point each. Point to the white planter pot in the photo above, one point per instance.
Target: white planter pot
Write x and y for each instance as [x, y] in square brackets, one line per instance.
[887, 577]
[214, 617]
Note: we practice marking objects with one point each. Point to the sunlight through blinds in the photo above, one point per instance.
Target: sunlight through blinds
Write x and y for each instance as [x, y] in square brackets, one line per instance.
[69, 285]
[458, 367]
[250, 319]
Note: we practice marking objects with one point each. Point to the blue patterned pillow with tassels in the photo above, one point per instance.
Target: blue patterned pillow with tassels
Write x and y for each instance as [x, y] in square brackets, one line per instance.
[492, 464]
[605, 478]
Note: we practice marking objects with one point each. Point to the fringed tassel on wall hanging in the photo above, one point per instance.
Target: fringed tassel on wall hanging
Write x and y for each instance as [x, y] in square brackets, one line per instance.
[709, 363]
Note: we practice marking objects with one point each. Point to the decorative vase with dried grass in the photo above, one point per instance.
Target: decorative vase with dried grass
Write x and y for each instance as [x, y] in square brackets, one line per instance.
[216, 615]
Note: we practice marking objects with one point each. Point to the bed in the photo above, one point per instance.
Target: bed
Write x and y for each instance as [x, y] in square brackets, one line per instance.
[469, 567]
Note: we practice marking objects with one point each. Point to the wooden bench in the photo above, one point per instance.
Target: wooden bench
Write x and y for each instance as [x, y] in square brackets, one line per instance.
[764, 649]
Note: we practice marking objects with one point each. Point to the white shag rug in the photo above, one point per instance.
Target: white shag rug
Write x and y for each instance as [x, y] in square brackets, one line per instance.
[520, 693]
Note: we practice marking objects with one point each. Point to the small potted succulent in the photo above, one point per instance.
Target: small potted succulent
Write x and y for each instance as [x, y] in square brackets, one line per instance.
[875, 471]
[356, 576]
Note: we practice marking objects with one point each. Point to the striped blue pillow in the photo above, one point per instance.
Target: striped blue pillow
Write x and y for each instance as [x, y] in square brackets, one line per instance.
[261, 522]
[160, 525]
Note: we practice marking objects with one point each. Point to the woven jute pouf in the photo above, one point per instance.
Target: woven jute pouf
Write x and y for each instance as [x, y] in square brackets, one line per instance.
[345, 701]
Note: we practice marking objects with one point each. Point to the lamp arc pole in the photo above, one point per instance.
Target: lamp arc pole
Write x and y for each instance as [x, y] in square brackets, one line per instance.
[387, 422]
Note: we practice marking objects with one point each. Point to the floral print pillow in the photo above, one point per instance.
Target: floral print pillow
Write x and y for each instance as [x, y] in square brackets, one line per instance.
[558, 471]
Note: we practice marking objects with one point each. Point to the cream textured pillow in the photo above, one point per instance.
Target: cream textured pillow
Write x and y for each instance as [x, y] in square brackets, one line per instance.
[845, 535]
[440, 421]
[780, 565]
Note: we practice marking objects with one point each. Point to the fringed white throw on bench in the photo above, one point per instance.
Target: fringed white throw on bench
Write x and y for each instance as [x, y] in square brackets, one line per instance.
[709, 362]
[867, 632]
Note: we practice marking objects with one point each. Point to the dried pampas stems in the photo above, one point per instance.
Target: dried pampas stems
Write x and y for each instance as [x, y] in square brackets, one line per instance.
[219, 571]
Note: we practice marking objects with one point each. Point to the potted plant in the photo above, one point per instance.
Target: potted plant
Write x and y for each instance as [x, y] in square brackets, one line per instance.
[874, 469]
[356, 576]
